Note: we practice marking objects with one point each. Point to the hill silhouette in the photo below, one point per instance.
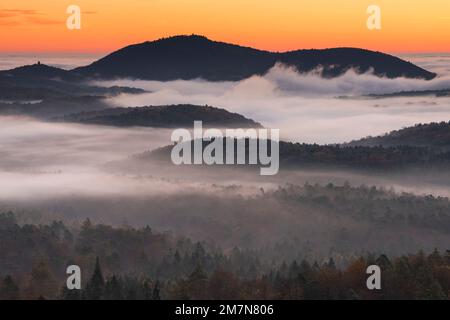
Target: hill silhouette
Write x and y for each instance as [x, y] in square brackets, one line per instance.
[190, 57]
[43, 82]
[37, 70]
[170, 116]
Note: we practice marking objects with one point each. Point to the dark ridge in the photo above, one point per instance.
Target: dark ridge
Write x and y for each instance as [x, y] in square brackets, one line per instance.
[301, 156]
[37, 70]
[432, 135]
[163, 116]
[412, 93]
[43, 82]
[190, 57]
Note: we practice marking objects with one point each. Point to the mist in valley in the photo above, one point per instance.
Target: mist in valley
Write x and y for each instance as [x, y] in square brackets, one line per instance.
[70, 172]
[306, 107]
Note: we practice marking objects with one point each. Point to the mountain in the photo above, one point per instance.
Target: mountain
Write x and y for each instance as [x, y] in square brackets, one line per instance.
[190, 57]
[432, 135]
[163, 116]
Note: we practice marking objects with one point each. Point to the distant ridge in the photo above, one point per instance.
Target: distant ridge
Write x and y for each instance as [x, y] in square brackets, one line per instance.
[432, 135]
[168, 116]
[37, 70]
[308, 156]
[194, 56]
[35, 75]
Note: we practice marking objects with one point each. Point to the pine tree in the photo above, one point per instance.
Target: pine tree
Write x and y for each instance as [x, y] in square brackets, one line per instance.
[156, 295]
[96, 285]
[197, 283]
[331, 264]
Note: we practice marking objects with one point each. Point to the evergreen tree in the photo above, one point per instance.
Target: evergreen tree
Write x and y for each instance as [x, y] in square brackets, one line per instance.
[95, 286]
[331, 264]
[197, 283]
[156, 295]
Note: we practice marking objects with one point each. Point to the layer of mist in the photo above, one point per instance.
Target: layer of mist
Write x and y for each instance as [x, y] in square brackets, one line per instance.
[73, 171]
[306, 107]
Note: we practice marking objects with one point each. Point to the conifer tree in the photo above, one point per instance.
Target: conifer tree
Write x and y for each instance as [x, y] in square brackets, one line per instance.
[95, 286]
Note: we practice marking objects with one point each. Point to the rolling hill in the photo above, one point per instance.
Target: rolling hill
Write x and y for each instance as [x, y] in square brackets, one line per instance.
[190, 57]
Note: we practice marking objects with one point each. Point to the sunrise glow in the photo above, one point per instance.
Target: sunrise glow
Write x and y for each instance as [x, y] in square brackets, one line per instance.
[407, 25]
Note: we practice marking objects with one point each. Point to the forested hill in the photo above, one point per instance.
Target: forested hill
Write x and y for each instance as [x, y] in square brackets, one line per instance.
[190, 57]
[37, 70]
[296, 155]
[432, 135]
[163, 117]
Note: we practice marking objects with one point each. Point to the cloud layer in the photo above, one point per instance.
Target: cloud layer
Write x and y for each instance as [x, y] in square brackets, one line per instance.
[306, 107]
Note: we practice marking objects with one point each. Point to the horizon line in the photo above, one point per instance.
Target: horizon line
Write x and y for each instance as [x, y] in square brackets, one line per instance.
[108, 51]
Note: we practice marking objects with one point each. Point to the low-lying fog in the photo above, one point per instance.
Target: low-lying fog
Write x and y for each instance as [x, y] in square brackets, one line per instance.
[306, 107]
[58, 169]
[48, 160]
[40, 159]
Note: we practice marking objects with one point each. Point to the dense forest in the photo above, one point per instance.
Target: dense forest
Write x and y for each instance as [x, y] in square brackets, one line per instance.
[432, 135]
[125, 262]
[144, 264]
[301, 155]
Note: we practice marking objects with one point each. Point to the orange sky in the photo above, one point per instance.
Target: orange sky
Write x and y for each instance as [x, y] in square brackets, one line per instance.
[278, 25]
